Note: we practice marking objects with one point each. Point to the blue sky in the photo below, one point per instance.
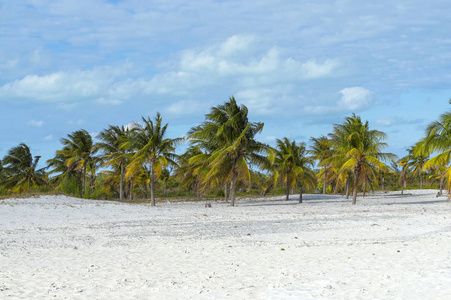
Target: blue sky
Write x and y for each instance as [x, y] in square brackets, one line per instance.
[299, 66]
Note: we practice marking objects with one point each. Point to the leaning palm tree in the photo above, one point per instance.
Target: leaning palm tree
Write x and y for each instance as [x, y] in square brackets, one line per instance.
[291, 166]
[19, 169]
[152, 148]
[189, 171]
[115, 142]
[359, 149]
[321, 150]
[229, 139]
[79, 152]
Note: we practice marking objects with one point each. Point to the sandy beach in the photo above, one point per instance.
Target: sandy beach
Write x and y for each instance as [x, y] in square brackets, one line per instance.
[387, 246]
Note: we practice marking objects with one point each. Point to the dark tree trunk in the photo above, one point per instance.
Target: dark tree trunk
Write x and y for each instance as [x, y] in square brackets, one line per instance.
[347, 188]
[383, 182]
[335, 188]
[121, 184]
[324, 181]
[232, 189]
[300, 195]
[288, 188]
[152, 185]
[226, 196]
[84, 180]
[364, 188]
[356, 185]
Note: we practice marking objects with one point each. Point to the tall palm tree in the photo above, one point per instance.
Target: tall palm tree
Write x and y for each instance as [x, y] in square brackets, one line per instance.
[165, 176]
[292, 166]
[321, 150]
[359, 150]
[115, 143]
[152, 148]
[19, 168]
[229, 139]
[191, 171]
[438, 140]
[79, 151]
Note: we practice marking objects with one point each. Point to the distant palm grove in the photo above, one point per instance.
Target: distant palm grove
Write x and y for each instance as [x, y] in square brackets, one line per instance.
[224, 159]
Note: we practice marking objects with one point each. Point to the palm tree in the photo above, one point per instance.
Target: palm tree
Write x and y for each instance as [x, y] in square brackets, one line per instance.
[292, 166]
[114, 143]
[229, 139]
[79, 152]
[152, 148]
[359, 150]
[321, 151]
[165, 176]
[19, 168]
[418, 157]
[191, 170]
[438, 140]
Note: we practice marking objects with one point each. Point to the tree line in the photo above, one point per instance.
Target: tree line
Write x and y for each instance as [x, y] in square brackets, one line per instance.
[223, 158]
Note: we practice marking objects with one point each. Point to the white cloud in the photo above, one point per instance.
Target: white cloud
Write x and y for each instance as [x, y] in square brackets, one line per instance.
[312, 69]
[393, 121]
[264, 101]
[355, 98]
[133, 125]
[48, 138]
[184, 107]
[35, 123]
[104, 101]
[254, 59]
[388, 122]
[236, 43]
[76, 85]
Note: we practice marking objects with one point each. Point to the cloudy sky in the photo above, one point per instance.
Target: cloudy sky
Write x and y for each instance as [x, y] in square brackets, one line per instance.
[299, 66]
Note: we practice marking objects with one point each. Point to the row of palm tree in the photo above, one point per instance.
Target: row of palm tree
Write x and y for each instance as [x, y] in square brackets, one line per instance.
[223, 153]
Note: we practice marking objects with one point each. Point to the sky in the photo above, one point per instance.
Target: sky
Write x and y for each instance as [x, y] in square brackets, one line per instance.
[299, 66]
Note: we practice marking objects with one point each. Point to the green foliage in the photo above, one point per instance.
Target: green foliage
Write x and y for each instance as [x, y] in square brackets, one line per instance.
[70, 185]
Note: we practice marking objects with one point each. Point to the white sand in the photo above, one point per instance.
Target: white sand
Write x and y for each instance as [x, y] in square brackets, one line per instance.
[385, 247]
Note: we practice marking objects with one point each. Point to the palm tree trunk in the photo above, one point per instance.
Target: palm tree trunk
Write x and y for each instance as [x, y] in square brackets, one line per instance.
[288, 188]
[225, 193]
[364, 188]
[232, 189]
[121, 185]
[324, 181]
[442, 178]
[383, 182]
[347, 188]
[164, 188]
[300, 195]
[356, 185]
[84, 180]
[152, 185]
